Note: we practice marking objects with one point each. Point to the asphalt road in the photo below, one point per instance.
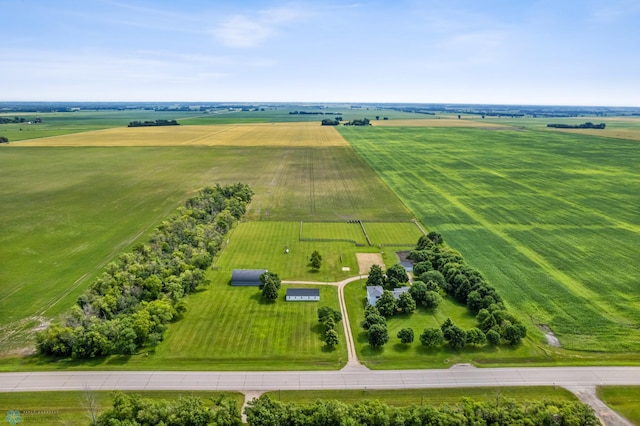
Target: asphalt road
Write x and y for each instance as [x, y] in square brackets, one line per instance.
[349, 378]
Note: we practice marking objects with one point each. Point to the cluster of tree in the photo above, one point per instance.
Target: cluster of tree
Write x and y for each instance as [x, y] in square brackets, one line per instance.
[269, 286]
[376, 326]
[587, 125]
[330, 122]
[153, 123]
[329, 319]
[131, 303]
[394, 276]
[358, 122]
[135, 410]
[446, 268]
[4, 139]
[315, 261]
[11, 120]
[265, 411]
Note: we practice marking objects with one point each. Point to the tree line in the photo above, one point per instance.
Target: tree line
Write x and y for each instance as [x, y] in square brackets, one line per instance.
[265, 411]
[138, 294]
[587, 125]
[153, 123]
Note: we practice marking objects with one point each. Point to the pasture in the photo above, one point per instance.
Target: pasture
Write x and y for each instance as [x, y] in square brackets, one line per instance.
[549, 218]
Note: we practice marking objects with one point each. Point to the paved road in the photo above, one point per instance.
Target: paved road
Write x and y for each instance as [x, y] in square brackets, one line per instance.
[354, 378]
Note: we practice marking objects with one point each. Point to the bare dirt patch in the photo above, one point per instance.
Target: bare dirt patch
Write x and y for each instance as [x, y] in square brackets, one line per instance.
[366, 260]
[552, 339]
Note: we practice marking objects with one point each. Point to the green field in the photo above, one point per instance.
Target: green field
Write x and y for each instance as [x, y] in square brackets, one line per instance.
[549, 218]
[69, 210]
[435, 397]
[72, 408]
[625, 400]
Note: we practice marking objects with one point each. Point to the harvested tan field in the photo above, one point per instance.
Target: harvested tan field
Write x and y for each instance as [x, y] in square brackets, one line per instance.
[630, 134]
[441, 122]
[276, 134]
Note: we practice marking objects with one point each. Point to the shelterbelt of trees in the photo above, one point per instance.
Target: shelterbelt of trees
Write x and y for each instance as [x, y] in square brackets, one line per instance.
[130, 305]
[266, 411]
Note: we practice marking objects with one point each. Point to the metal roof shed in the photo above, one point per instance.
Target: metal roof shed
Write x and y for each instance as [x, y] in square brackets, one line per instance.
[246, 277]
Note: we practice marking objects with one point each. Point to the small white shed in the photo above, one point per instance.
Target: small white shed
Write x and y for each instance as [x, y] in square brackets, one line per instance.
[303, 294]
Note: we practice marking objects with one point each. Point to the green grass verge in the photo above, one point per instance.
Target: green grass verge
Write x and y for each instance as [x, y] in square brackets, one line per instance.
[549, 218]
[435, 397]
[625, 400]
[71, 408]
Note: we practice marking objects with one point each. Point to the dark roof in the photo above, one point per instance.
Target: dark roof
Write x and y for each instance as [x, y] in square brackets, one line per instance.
[309, 292]
[246, 276]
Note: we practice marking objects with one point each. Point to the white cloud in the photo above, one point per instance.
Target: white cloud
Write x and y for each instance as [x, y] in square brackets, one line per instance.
[244, 31]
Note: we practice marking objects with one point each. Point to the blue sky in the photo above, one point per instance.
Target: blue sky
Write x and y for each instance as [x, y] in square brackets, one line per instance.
[553, 52]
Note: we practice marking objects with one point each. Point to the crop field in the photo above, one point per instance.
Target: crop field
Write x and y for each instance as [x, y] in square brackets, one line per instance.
[64, 123]
[69, 210]
[248, 135]
[550, 218]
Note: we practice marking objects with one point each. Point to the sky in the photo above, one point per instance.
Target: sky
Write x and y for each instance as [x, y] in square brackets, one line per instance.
[531, 52]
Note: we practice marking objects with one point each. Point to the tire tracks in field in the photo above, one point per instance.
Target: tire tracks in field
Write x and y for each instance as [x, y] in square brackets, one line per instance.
[571, 284]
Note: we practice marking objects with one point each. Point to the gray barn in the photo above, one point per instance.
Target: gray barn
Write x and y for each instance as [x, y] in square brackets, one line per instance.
[246, 277]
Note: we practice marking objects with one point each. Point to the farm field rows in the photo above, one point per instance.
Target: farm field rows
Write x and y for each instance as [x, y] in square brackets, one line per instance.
[549, 218]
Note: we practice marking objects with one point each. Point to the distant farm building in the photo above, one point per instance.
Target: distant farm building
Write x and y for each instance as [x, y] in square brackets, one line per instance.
[303, 294]
[246, 277]
[375, 291]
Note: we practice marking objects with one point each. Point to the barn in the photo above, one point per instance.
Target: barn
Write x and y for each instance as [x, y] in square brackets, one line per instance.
[303, 294]
[246, 277]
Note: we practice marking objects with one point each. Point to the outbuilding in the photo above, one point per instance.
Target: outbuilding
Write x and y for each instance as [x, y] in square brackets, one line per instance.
[246, 277]
[303, 294]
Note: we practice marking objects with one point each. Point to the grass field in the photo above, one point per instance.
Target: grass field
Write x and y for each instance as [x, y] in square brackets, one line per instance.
[623, 399]
[71, 408]
[435, 397]
[549, 218]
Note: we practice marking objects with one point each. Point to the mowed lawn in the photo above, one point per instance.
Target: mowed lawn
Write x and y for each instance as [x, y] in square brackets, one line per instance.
[397, 355]
[233, 328]
[551, 219]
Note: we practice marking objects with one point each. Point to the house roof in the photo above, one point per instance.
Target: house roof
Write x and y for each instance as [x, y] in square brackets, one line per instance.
[308, 292]
[246, 275]
[374, 291]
